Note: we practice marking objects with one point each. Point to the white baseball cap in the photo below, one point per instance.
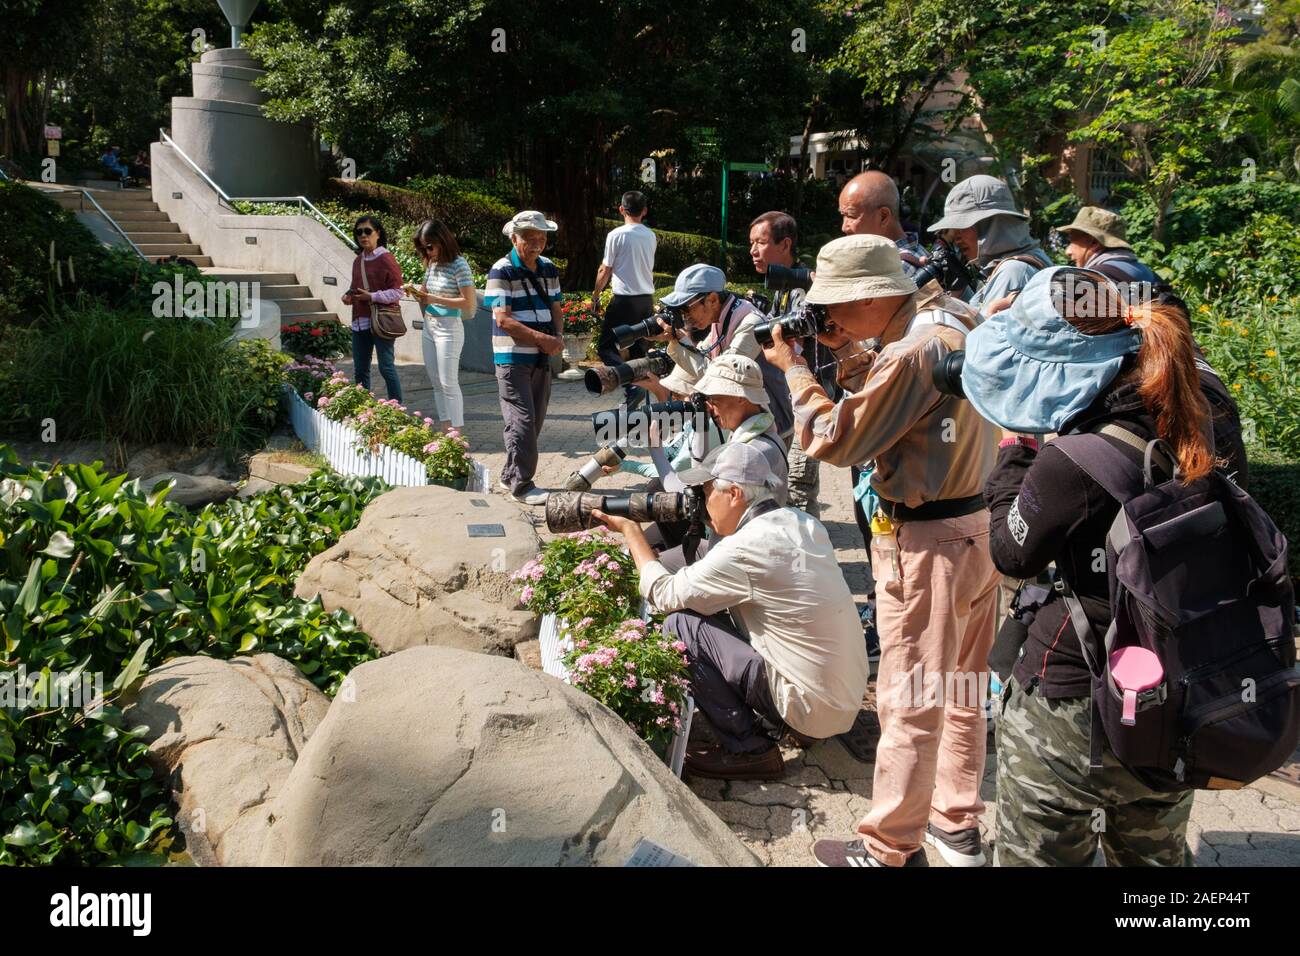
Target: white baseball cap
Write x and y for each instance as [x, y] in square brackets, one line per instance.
[737, 461]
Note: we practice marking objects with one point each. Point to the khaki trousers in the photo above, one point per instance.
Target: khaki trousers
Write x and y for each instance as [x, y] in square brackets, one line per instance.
[935, 619]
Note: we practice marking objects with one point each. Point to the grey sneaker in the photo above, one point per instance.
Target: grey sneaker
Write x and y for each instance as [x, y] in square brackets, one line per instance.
[532, 495]
[855, 853]
[962, 848]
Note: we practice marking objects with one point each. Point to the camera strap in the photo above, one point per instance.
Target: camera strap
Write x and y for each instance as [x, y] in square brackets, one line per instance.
[725, 325]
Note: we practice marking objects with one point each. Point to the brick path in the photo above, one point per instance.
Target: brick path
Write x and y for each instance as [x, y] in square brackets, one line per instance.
[826, 790]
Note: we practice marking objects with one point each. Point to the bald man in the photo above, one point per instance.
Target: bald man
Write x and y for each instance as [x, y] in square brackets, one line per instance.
[869, 207]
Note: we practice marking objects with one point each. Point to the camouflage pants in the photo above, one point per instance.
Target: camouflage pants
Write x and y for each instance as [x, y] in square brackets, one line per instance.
[805, 478]
[1053, 812]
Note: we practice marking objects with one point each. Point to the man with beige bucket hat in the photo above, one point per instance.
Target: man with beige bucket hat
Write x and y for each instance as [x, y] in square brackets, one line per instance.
[936, 585]
[1096, 241]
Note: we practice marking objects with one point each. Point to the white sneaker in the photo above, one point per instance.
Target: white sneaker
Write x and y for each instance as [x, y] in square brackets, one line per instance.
[963, 848]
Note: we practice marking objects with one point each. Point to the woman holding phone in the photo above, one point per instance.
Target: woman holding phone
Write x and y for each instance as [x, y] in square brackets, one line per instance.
[376, 278]
[448, 299]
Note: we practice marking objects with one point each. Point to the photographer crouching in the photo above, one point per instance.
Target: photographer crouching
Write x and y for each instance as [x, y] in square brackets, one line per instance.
[935, 582]
[791, 656]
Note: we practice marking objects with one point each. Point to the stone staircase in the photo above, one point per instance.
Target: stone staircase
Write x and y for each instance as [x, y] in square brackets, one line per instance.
[158, 237]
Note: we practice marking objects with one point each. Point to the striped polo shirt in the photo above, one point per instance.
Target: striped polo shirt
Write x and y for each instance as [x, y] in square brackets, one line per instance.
[528, 294]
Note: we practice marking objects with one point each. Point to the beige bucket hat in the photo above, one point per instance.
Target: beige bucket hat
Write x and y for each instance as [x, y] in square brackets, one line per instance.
[858, 267]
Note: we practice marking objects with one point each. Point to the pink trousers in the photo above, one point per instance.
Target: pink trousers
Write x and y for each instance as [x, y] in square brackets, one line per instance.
[935, 610]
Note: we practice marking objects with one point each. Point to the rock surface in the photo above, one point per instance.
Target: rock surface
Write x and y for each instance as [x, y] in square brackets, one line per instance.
[192, 491]
[227, 734]
[435, 756]
[411, 574]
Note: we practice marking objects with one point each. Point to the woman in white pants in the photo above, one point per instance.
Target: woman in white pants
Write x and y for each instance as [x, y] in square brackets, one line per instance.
[448, 299]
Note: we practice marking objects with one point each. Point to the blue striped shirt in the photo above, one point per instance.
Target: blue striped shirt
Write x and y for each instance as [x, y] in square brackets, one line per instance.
[528, 294]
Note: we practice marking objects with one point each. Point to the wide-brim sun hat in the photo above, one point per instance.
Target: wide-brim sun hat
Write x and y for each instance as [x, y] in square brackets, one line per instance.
[736, 375]
[679, 381]
[1101, 224]
[853, 268]
[1029, 370]
[528, 219]
[975, 199]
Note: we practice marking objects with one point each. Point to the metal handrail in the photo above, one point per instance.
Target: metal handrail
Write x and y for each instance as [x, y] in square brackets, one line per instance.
[302, 200]
[85, 194]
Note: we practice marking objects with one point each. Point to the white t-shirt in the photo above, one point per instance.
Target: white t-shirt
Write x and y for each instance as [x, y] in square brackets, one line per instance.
[630, 252]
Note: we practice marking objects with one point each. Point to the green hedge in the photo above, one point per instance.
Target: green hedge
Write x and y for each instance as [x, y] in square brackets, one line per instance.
[1198, 212]
[676, 250]
[1275, 484]
[475, 219]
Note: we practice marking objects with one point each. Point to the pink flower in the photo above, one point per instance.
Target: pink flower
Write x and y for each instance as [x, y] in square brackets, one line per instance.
[526, 594]
[308, 395]
[630, 682]
[427, 421]
[678, 646]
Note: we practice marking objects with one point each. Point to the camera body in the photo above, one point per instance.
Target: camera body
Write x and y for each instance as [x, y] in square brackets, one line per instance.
[625, 336]
[569, 511]
[809, 320]
[945, 266]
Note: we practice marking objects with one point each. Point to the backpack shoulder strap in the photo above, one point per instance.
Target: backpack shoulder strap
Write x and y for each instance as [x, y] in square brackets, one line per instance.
[1103, 462]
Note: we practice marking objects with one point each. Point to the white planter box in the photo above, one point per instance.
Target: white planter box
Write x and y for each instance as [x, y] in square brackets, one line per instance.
[553, 651]
[337, 443]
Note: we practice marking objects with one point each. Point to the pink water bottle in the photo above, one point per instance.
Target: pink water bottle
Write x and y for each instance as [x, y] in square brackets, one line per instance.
[1133, 670]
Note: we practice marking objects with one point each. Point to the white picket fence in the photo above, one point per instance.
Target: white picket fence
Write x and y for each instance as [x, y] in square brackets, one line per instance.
[337, 443]
[553, 650]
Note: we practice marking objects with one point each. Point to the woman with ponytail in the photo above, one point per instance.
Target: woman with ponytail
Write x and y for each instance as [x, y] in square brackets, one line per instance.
[1070, 355]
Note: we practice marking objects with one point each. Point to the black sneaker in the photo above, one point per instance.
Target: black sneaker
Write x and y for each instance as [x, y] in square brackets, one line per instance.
[855, 853]
[962, 848]
[869, 634]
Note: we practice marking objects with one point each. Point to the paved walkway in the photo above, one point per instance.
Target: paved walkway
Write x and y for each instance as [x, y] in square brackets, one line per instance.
[826, 790]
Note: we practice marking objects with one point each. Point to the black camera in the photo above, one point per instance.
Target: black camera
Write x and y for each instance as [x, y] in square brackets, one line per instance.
[606, 378]
[947, 374]
[809, 320]
[781, 278]
[620, 421]
[628, 335]
[568, 511]
[943, 264]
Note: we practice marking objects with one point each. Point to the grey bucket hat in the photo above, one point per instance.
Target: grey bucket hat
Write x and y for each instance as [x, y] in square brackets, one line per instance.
[975, 199]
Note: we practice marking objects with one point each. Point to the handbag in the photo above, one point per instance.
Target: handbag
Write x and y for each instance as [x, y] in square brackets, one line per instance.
[385, 320]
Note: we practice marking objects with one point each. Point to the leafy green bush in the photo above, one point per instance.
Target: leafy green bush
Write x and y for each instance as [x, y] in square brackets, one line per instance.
[121, 373]
[1253, 264]
[1213, 210]
[30, 282]
[1275, 484]
[99, 576]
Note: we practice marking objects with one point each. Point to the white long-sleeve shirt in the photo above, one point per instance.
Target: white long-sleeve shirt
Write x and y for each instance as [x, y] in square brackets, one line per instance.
[778, 577]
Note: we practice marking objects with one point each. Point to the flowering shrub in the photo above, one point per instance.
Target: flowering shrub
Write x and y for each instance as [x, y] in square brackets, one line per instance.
[584, 576]
[578, 317]
[389, 423]
[635, 670]
[308, 375]
[324, 339]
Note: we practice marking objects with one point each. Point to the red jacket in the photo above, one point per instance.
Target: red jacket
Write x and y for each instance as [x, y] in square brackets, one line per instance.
[384, 274]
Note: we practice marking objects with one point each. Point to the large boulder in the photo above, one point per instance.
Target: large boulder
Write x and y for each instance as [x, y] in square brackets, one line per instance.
[226, 733]
[435, 756]
[411, 574]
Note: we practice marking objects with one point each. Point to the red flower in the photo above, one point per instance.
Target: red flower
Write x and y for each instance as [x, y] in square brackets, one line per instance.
[318, 332]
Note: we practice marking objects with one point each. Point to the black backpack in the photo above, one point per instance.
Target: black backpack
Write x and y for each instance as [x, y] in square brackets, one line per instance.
[1198, 576]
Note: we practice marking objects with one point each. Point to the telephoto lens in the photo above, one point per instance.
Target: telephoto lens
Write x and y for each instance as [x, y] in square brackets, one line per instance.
[586, 476]
[569, 511]
[787, 277]
[945, 267]
[605, 378]
[947, 374]
[627, 335]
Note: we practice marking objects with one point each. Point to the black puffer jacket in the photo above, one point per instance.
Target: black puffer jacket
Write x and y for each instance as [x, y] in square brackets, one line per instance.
[1044, 508]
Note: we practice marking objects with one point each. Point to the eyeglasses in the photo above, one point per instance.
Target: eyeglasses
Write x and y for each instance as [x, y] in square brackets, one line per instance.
[363, 231]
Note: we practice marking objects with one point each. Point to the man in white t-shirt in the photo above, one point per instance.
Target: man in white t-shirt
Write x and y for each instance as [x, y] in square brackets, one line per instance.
[628, 267]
